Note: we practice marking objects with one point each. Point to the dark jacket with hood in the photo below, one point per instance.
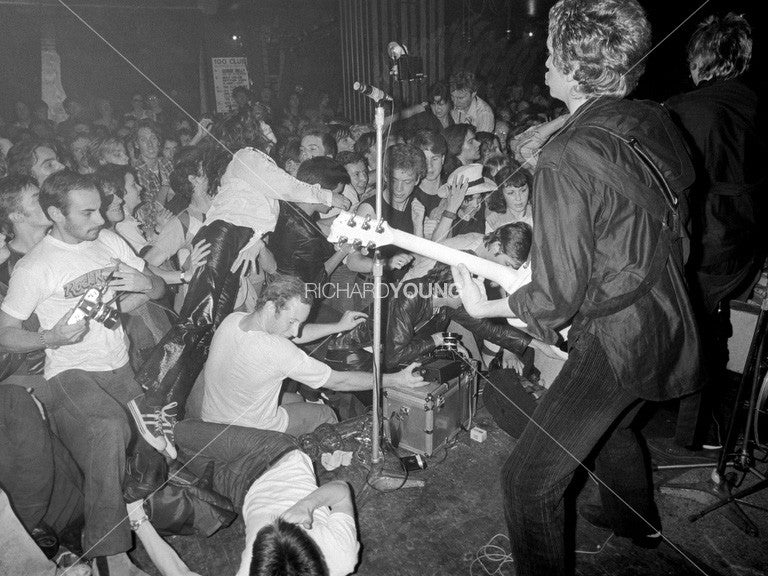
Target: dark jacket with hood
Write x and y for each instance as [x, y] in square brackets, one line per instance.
[596, 240]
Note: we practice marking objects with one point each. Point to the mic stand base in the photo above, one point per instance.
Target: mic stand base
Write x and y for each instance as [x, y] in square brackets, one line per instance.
[388, 480]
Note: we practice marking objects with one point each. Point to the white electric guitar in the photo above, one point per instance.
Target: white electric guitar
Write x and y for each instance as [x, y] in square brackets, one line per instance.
[366, 234]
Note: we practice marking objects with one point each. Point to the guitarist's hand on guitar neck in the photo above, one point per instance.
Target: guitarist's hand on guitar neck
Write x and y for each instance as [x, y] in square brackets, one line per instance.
[471, 291]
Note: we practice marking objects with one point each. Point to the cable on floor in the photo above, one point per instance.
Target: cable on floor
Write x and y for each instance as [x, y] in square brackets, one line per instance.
[492, 557]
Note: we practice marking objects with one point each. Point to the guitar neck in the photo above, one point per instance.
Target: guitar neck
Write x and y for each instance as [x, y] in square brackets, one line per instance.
[502, 275]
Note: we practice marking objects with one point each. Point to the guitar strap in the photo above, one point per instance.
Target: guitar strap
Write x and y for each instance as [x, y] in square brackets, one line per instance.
[671, 229]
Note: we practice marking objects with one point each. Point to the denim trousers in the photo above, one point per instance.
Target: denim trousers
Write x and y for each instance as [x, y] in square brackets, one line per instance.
[42, 481]
[584, 413]
[93, 424]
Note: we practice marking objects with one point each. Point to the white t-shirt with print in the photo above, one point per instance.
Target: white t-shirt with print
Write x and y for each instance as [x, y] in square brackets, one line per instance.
[279, 488]
[244, 374]
[51, 279]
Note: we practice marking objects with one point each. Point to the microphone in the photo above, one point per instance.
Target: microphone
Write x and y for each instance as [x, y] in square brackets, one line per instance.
[372, 92]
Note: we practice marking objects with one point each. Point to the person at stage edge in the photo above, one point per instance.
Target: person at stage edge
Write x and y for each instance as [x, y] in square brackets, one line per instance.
[607, 259]
[721, 121]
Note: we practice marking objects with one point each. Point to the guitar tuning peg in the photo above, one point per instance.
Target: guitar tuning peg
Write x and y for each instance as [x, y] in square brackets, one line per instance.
[380, 227]
[357, 245]
[370, 247]
[342, 241]
[364, 251]
[367, 223]
[351, 222]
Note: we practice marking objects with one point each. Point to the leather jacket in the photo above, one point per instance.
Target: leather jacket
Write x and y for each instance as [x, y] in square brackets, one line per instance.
[412, 320]
[298, 246]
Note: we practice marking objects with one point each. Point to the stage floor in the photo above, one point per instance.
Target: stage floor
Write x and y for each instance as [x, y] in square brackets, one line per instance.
[442, 527]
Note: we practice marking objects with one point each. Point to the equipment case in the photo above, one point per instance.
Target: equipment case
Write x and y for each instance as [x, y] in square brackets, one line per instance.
[424, 419]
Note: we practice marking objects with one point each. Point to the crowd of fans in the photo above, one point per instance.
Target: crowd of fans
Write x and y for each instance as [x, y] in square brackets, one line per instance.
[164, 182]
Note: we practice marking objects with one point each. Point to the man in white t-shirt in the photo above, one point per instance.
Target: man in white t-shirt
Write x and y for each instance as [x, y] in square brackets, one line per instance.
[86, 362]
[251, 355]
[288, 491]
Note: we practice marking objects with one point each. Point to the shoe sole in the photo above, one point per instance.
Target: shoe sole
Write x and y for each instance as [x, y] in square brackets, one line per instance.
[158, 444]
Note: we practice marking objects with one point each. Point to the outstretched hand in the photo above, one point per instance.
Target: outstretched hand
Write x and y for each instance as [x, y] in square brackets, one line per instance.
[248, 258]
[457, 191]
[471, 290]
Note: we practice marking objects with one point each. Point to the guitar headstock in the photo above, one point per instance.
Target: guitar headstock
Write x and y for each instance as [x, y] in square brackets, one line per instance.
[361, 232]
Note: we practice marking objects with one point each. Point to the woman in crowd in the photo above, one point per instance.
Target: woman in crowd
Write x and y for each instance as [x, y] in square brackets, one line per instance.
[110, 150]
[511, 201]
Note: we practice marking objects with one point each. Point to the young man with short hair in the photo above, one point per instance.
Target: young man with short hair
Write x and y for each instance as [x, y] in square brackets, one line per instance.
[468, 107]
[86, 362]
[251, 355]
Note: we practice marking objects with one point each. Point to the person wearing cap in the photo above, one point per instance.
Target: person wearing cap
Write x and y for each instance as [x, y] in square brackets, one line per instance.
[460, 210]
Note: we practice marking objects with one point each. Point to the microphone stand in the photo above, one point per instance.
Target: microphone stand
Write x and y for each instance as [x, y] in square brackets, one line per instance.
[378, 478]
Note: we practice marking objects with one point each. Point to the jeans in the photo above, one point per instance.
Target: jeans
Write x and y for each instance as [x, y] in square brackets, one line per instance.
[584, 409]
[304, 417]
[174, 364]
[92, 422]
[38, 474]
[240, 455]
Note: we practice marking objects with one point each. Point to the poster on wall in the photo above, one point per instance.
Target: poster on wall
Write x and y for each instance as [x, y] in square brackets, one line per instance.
[227, 74]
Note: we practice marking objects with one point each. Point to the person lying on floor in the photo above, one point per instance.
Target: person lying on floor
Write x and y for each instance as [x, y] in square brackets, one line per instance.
[291, 525]
[252, 354]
